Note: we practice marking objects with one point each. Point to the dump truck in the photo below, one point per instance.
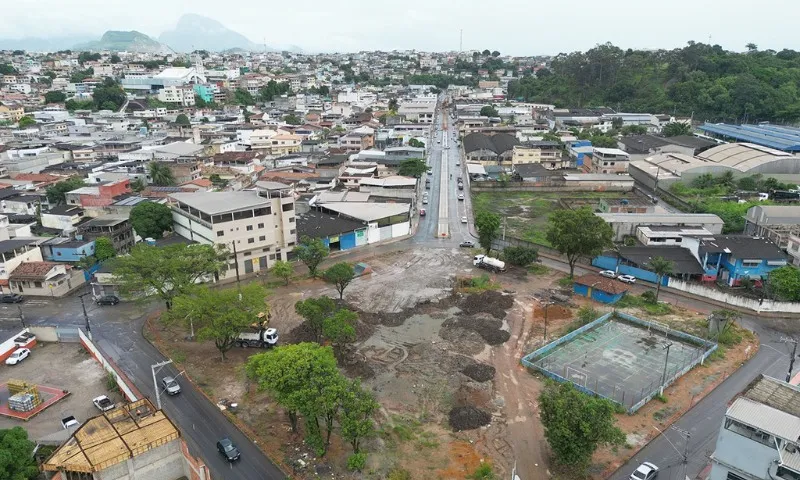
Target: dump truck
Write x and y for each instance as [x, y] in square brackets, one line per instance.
[260, 334]
[489, 263]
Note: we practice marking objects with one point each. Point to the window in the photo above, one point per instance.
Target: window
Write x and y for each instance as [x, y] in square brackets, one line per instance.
[751, 263]
[266, 249]
[288, 207]
[37, 284]
[260, 225]
[291, 220]
[246, 254]
[220, 233]
[290, 244]
[251, 240]
[272, 257]
[262, 238]
[249, 228]
[733, 476]
[292, 232]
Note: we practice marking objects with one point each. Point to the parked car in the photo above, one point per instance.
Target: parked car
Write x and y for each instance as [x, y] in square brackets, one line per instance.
[627, 279]
[171, 386]
[11, 298]
[228, 449]
[424, 200]
[464, 220]
[422, 212]
[107, 300]
[460, 197]
[69, 422]
[103, 403]
[646, 471]
[466, 244]
[19, 355]
[608, 274]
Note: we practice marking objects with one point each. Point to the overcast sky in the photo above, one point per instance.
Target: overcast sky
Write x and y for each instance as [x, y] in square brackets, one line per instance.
[516, 27]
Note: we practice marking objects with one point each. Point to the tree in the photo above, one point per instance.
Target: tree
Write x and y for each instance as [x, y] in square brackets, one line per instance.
[661, 267]
[26, 121]
[166, 272]
[358, 407]
[54, 96]
[84, 57]
[283, 270]
[315, 311]
[784, 282]
[495, 53]
[413, 167]
[161, 174]
[340, 329]
[673, 129]
[520, 256]
[489, 111]
[16, 455]
[151, 220]
[109, 95]
[311, 251]
[104, 249]
[393, 105]
[243, 97]
[416, 143]
[7, 69]
[634, 130]
[220, 314]
[578, 233]
[488, 225]
[340, 275]
[617, 123]
[137, 185]
[486, 53]
[115, 59]
[56, 194]
[292, 119]
[182, 119]
[576, 424]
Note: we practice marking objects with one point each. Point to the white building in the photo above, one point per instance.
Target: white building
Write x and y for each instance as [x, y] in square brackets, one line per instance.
[258, 228]
[182, 95]
[421, 111]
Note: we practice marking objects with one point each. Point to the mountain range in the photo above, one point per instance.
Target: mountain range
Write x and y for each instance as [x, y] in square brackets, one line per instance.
[192, 32]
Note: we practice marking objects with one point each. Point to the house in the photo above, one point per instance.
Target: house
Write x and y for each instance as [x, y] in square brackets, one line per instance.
[731, 258]
[607, 160]
[636, 260]
[183, 95]
[257, 227]
[418, 111]
[489, 149]
[775, 222]
[115, 227]
[45, 279]
[537, 173]
[61, 249]
[625, 224]
[21, 204]
[793, 249]
[758, 438]
[336, 232]
[100, 195]
[13, 253]
[62, 217]
[547, 154]
[601, 289]
[384, 221]
[11, 112]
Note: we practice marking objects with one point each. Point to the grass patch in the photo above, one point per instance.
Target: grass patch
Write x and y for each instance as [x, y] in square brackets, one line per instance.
[661, 398]
[177, 356]
[477, 284]
[565, 281]
[538, 269]
[634, 301]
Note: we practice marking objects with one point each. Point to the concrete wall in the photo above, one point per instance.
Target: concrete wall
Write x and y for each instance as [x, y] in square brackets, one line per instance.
[729, 449]
[748, 303]
[44, 334]
[163, 462]
[127, 388]
[532, 187]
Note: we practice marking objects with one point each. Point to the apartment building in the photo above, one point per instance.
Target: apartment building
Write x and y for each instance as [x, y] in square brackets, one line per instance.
[181, 94]
[257, 227]
[760, 436]
[607, 160]
[11, 112]
[548, 154]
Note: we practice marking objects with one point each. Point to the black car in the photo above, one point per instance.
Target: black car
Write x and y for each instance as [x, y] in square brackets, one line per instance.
[228, 449]
[108, 300]
[11, 298]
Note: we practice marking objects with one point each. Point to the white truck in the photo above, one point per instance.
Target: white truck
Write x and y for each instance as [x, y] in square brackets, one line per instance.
[489, 263]
[260, 338]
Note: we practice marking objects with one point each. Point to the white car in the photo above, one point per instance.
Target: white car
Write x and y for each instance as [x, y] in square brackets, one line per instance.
[460, 197]
[627, 279]
[19, 355]
[464, 220]
[646, 471]
[608, 274]
[103, 403]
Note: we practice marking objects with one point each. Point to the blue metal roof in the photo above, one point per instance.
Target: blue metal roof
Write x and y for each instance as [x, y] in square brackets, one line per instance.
[772, 136]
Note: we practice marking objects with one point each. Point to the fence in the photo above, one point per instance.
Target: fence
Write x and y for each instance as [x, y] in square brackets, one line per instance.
[758, 306]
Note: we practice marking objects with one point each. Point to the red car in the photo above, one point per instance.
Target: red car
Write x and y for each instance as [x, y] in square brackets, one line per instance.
[422, 212]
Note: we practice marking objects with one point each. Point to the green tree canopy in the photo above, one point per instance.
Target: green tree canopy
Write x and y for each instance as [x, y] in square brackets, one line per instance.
[488, 225]
[114, 59]
[151, 219]
[292, 119]
[109, 95]
[413, 167]
[26, 121]
[416, 143]
[340, 275]
[7, 69]
[575, 424]
[520, 256]
[104, 249]
[315, 310]
[168, 271]
[182, 119]
[489, 111]
[16, 455]
[578, 233]
[358, 407]
[311, 251]
[283, 270]
[54, 96]
[161, 174]
[56, 194]
[274, 89]
[784, 282]
[220, 314]
[673, 129]
[243, 97]
[661, 267]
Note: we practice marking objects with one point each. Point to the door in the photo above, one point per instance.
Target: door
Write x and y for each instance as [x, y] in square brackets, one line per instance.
[262, 263]
[248, 266]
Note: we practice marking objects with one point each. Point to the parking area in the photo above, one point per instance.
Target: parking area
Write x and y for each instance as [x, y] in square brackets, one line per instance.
[65, 366]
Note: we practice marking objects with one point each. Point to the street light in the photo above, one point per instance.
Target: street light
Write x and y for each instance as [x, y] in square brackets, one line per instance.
[85, 315]
[546, 305]
[153, 367]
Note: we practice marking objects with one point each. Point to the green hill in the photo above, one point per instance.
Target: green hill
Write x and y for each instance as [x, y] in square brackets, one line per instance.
[119, 41]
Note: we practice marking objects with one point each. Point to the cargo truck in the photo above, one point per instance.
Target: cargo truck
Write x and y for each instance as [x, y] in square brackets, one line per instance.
[489, 263]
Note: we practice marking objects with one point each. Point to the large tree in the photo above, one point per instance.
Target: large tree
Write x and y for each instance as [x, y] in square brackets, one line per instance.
[413, 167]
[168, 271]
[16, 455]
[56, 194]
[578, 233]
[151, 219]
[311, 251]
[340, 275]
[26, 121]
[576, 424]
[182, 119]
[489, 111]
[160, 174]
[358, 407]
[55, 96]
[488, 225]
[520, 256]
[315, 310]
[104, 249]
[109, 95]
[283, 270]
[661, 267]
[220, 314]
[784, 283]
[673, 129]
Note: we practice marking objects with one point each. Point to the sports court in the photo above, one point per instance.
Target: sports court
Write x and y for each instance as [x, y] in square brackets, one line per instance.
[621, 360]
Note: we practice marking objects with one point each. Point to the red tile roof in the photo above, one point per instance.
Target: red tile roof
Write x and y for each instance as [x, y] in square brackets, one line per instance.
[32, 270]
[608, 285]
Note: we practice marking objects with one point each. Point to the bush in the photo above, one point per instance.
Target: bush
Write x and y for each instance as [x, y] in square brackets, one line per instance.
[520, 256]
[649, 297]
[399, 474]
[356, 462]
[483, 472]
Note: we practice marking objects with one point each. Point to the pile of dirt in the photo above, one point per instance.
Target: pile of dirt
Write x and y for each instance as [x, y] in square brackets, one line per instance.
[490, 301]
[471, 394]
[468, 418]
[487, 327]
[554, 312]
[463, 341]
[480, 372]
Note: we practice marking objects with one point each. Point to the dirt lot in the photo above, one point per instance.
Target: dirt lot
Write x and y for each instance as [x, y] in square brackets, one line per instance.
[444, 366]
[63, 365]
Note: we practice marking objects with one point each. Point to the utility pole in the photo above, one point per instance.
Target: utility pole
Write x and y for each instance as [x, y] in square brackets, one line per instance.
[159, 366]
[791, 359]
[85, 315]
[546, 305]
[686, 436]
[666, 361]
[461, 41]
[21, 316]
[235, 260]
[504, 229]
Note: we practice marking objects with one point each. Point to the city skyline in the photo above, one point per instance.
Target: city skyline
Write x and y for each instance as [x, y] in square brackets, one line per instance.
[514, 29]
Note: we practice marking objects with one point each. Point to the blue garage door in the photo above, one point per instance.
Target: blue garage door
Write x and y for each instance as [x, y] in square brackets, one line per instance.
[347, 240]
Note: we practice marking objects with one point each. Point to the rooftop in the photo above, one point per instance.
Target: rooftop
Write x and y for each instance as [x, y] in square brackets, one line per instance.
[32, 270]
[368, 212]
[683, 262]
[317, 224]
[105, 221]
[765, 418]
[742, 246]
[655, 218]
[608, 285]
[773, 136]
[214, 203]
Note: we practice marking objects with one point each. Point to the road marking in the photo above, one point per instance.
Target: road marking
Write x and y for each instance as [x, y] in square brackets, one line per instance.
[444, 222]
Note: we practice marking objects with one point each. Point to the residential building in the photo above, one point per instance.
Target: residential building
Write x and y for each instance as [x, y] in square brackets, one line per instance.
[100, 195]
[625, 224]
[62, 217]
[548, 154]
[115, 227]
[775, 222]
[61, 249]
[758, 439]
[206, 92]
[793, 249]
[11, 112]
[183, 95]
[45, 279]
[257, 227]
[601, 289]
[421, 111]
[489, 149]
[730, 259]
[607, 160]
[13, 253]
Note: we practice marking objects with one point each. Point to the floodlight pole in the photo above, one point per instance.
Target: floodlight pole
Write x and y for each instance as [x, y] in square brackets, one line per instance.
[155, 383]
[545, 319]
[664, 375]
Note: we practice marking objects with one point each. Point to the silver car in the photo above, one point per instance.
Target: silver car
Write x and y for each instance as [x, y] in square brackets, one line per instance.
[171, 386]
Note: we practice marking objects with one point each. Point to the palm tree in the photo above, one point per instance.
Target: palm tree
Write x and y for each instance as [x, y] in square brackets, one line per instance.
[660, 266]
[161, 175]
